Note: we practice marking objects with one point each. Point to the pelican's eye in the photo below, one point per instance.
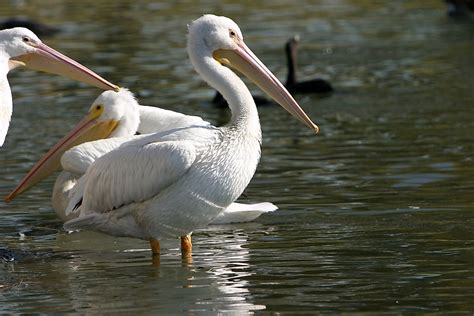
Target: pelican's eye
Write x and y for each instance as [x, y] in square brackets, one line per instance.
[232, 33]
[26, 39]
[96, 111]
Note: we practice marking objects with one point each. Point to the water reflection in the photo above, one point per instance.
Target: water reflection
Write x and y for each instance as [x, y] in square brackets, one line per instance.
[89, 272]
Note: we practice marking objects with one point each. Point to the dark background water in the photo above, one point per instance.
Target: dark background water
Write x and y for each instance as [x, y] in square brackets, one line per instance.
[376, 212]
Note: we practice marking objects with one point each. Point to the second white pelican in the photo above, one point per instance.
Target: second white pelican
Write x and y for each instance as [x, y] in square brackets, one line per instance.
[114, 116]
[21, 47]
[168, 184]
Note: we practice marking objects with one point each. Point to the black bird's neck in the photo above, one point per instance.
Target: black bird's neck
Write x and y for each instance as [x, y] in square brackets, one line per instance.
[290, 50]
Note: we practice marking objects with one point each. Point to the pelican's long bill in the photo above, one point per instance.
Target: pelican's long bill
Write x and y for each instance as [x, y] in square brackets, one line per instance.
[46, 59]
[88, 129]
[245, 61]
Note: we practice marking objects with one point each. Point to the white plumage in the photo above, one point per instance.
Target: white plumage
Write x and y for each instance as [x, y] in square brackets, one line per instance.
[21, 47]
[243, 213]
[170, 183]
[121, 107]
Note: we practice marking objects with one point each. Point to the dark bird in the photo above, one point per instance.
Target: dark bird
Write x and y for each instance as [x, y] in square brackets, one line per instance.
[316, 85]
[39, 29]
[459, 8]
[219, 102]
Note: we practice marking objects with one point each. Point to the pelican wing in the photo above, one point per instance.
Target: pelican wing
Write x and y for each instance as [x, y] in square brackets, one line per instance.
[79, 158]
[153, 120]
[132, 174]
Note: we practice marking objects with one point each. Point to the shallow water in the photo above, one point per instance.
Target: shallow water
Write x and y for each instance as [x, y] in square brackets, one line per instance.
[376, 212]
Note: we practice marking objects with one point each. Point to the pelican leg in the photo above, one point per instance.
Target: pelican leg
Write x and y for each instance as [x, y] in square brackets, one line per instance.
[186, 246]
[155, 246]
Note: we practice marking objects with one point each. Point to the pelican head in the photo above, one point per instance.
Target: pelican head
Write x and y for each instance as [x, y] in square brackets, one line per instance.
[221, 38]
[112, 114]
[23, 48]
[18, 41]
[119, 107]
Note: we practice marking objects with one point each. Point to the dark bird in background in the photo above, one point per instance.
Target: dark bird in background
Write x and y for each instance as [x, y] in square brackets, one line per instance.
[459, 8]
[39, 29]
[316, 85]
[219, 102]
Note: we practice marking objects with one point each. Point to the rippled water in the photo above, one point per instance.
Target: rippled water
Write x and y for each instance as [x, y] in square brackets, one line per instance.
[376, 212]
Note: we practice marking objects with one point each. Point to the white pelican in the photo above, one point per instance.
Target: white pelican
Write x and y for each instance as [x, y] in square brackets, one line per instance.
[168, 184]
[114, 115]
[21, 47]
